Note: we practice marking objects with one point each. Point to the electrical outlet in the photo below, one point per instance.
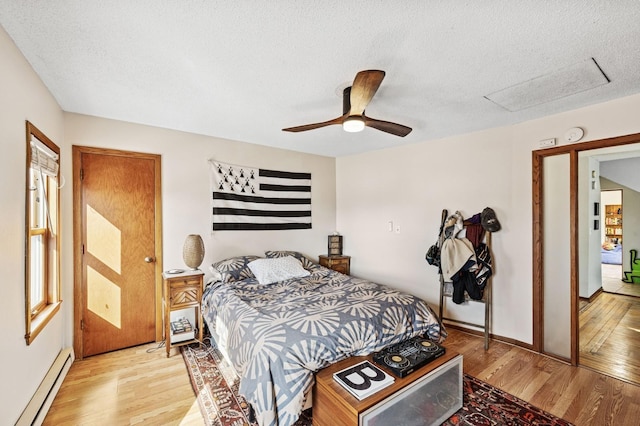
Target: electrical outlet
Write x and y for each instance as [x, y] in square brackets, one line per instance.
[397, 228]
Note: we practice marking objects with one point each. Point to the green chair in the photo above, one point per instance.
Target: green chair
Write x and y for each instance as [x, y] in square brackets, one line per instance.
[633, 276]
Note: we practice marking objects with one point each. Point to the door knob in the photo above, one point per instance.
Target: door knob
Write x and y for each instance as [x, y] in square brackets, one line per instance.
[149, 259]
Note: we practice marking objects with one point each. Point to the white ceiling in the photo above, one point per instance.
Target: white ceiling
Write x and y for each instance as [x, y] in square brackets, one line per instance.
[243, 70]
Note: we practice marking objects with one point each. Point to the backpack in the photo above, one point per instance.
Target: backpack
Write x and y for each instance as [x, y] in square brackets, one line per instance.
[433, 254]
[484, 271]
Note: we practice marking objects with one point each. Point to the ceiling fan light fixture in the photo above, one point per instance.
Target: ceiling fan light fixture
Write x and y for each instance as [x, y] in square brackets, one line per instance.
[353, 124]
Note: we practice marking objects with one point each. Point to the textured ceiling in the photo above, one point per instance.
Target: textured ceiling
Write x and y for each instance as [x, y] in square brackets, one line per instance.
[243, 70]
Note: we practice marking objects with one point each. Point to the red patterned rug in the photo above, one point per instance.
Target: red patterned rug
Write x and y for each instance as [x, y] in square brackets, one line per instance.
[215, 383]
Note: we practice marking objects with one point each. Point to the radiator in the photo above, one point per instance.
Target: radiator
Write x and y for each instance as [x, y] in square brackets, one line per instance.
[38, 407]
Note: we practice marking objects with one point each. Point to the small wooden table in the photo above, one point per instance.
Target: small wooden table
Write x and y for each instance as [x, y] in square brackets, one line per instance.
[337, 263]
[182, 291]
[335, 406]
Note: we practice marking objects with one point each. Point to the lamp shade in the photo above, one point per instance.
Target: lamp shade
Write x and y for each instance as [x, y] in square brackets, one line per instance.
[193, 251]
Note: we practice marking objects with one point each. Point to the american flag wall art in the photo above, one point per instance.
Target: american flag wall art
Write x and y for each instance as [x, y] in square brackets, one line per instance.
[252, 199]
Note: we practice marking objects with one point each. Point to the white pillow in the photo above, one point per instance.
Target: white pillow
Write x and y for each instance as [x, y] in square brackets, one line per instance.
[273, 270]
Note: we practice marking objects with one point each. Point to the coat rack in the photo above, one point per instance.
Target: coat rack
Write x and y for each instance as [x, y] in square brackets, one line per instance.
[486, 299]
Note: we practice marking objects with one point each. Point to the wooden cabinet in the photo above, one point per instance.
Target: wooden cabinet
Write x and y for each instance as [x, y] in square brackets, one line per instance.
[335, 406]
[337, 263]
[181, 299]
[613, 223]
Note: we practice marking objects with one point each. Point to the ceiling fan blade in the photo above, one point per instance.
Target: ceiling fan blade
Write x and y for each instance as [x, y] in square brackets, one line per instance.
[312, 126]
[387, 126]
[365, 85]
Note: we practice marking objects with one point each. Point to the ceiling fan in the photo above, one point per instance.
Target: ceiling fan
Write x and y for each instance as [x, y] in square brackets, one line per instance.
[354, 101]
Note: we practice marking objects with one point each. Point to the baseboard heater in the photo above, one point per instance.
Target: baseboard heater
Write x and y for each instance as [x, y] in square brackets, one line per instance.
[41, 401]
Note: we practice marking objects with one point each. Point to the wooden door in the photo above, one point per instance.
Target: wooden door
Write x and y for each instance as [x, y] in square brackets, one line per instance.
[118, 284]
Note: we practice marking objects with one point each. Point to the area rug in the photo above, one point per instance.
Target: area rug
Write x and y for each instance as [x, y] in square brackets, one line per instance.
[216, 383]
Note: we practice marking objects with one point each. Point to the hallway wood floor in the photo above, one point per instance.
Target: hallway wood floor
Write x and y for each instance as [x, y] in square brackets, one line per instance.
[610, 336]
[133, 386]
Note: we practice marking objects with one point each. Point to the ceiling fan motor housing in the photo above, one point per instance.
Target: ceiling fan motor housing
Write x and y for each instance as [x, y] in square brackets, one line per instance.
[346, 100]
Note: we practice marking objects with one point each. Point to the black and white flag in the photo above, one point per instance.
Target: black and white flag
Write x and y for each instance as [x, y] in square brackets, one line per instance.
[247, 199]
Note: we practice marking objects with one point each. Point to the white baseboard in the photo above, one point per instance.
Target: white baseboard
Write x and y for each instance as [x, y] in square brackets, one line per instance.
[41, 401]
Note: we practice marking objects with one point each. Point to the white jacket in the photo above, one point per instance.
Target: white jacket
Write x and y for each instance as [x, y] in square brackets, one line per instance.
[456, 253]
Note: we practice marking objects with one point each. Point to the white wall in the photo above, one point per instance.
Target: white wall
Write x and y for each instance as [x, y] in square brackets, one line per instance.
[412, 184]
[590, 270]
[23, 97]
[625, 171]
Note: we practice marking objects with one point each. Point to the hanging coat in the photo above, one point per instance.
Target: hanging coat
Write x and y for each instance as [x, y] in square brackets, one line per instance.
[456, 254]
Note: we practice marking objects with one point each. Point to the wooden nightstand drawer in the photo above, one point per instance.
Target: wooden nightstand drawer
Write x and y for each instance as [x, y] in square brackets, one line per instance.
[337, 263]
[184, 281]
[183, 295]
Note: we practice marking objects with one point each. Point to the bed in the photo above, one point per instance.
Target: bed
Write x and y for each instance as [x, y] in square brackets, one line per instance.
[611, 253]
[278, 335]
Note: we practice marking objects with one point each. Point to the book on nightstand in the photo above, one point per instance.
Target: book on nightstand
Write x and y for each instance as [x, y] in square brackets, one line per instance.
[181, 325]
[182, 330]
[363, 379]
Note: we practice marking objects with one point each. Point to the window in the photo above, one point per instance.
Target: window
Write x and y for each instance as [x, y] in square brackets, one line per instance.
[42, 242]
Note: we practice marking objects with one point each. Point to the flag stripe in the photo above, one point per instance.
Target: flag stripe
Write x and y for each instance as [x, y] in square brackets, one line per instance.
[247, 212]
[259, 226]
[285, 175]
[259, 219]
[285, 188]
[263, 200]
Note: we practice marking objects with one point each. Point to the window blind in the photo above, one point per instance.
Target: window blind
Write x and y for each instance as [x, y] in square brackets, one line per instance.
[43, 158]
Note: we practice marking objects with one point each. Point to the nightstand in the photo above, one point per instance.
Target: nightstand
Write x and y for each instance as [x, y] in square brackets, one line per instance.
[337, 263]
[181, 299]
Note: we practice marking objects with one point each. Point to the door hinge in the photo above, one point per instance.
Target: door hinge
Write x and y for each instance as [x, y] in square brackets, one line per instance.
[83, 249]
[81, 174]
[81, 324]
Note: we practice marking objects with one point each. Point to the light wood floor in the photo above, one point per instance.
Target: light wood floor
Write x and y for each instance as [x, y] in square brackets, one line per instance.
[135, 387]
[579, 395]
[132, 386]
[610, 336]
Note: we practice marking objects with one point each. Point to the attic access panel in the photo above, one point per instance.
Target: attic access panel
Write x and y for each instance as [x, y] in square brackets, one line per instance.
[559, 84]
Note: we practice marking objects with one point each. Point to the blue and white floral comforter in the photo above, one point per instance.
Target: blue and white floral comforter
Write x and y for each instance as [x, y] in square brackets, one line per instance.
[276, 336]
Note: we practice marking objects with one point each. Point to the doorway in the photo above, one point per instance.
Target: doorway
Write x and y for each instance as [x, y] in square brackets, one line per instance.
[559, 289]
[117, 240]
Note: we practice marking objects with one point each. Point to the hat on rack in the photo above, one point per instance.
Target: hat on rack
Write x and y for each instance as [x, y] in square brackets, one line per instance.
[489, 220]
